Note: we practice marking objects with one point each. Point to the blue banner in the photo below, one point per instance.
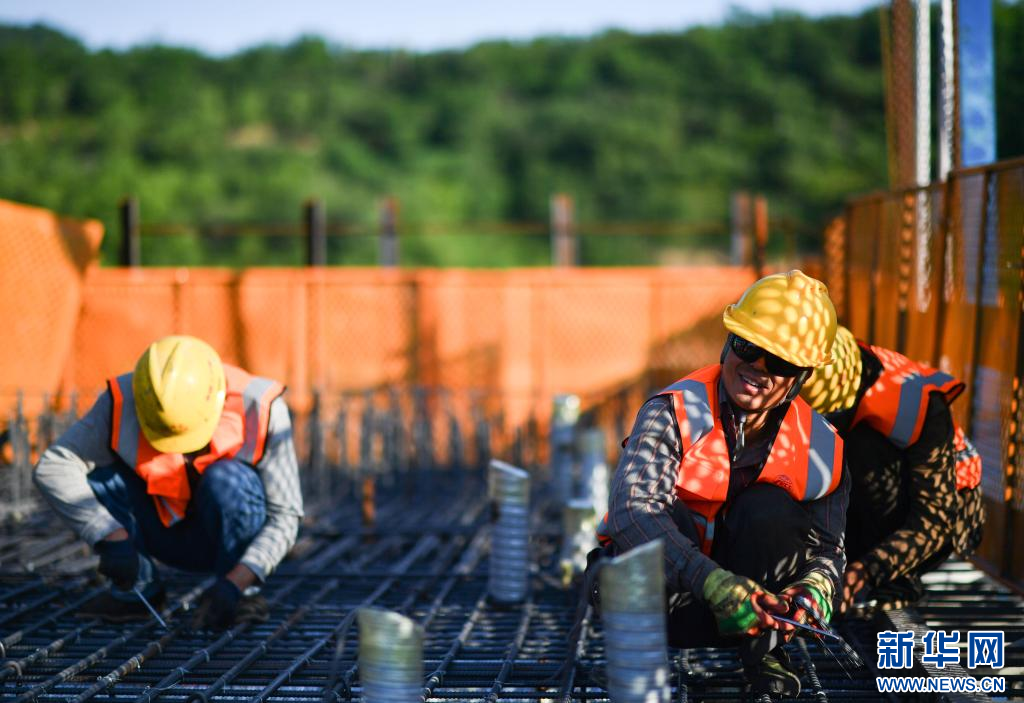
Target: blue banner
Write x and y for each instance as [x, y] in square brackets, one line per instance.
[977, 82]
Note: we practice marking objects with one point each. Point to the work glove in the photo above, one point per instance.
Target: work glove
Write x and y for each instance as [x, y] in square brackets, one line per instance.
[810, 599]
[740, 605]
[119, 562]
[218, 606]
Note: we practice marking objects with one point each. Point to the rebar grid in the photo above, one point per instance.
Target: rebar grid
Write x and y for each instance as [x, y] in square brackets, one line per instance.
[424, 557]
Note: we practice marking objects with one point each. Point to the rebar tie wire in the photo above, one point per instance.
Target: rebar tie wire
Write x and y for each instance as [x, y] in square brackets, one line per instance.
[101, 653]
[466, 552]
[333, 687]
[513, 652]
[204, 655]
[16, 668]
[284, 628]
[16, 637]
[426, 544]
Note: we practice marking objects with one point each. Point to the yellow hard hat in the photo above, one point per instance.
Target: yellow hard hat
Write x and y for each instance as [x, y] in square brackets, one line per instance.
[179, 390]
[834, 387]
[789, 315]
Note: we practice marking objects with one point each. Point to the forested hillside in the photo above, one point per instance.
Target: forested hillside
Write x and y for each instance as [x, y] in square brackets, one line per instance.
[636, 127]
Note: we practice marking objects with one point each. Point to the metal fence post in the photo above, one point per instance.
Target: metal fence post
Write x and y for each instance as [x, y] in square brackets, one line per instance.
[131, 239]
[314, 223]
[388, 248]
[579, 525]
[760, 234]
[593, 469]
[564, 249]
[740, 240]
[564, 416]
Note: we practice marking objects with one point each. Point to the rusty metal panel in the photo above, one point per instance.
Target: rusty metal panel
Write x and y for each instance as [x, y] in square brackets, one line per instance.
[863, 235]
[835, 264]
[887, 271]
[926, 278]
[961, 280]
[997, 326]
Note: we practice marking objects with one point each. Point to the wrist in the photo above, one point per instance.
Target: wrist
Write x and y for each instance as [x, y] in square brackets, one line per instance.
[241, 577]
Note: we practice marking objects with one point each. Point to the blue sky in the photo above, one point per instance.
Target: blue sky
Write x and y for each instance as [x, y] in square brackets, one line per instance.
[222, 28]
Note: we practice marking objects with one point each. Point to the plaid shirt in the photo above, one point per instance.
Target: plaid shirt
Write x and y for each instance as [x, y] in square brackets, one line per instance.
[61, 474]
[643, 496]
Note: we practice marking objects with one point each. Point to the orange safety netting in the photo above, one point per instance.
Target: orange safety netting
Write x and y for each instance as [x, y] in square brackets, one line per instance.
[45, 259]
[525, 334]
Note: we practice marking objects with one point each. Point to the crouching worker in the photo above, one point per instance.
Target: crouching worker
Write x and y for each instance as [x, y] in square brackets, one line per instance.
[744, 483]
[186, 460]
[915, 476]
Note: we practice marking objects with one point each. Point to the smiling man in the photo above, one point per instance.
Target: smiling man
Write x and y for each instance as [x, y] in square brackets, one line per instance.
[744, 482]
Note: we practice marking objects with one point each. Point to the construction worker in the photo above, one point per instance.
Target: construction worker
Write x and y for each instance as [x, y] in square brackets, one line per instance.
[187, 460]
[915, 496]
[744, 483]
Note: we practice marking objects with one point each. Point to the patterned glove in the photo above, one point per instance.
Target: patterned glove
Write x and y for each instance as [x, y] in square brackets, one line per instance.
[811, 598]
[737, 603]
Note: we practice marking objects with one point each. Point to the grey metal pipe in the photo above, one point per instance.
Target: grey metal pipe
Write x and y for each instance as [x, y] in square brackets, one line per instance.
[565, 413]
[390, 657]
[633, 612]
[579, 523]
[509, 491]
[593, 469]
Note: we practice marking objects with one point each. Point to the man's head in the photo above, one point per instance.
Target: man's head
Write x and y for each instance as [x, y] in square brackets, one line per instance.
[179, 391]
[834, 388]
[781, 329]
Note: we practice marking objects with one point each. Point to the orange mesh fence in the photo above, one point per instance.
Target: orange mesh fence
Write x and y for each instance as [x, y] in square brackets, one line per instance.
[936, 273]
[525, 334]
[45, 259]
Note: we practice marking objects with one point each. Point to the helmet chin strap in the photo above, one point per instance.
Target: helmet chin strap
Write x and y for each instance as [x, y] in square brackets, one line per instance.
[800, 381]
[741, 434]
[742, 416]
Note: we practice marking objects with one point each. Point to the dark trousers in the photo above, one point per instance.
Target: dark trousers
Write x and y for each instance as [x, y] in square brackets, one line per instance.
[228, 509]
[763, 536]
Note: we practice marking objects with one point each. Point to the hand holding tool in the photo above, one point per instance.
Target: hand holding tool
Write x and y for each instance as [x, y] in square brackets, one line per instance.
[739, 604]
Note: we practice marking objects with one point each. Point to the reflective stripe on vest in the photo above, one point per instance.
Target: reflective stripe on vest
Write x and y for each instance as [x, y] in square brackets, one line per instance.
[241, 434]
[897, 402]
[699, 419]
[821, 456]
[124, 443]
[256, 418]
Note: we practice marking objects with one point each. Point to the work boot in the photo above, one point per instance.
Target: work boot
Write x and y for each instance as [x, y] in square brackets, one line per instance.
[124, 606]
[774, 676]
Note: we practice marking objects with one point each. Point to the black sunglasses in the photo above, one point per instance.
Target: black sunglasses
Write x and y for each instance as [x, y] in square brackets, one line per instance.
[750, 352]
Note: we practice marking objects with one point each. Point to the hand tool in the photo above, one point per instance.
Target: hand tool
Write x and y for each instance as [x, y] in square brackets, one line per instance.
[149, 607]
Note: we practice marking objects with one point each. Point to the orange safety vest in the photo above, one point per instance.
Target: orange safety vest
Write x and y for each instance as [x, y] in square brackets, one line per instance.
[240, 434]
[806, 457]
[896, 405]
